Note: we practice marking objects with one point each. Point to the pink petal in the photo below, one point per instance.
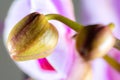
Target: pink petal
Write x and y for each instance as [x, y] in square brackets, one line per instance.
[44, 64]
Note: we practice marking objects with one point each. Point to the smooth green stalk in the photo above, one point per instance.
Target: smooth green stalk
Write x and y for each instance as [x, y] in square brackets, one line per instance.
[112, 62]
[74, 25]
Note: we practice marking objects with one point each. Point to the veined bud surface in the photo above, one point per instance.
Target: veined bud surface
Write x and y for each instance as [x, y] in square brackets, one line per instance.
[32, 38]
[94, 41]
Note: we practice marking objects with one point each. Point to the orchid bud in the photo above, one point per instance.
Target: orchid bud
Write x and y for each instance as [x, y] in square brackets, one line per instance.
[94, 41]
[32, 38]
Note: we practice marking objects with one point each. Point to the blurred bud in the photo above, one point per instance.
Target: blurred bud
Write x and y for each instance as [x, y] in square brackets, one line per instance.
[94, 41]
[32, 38]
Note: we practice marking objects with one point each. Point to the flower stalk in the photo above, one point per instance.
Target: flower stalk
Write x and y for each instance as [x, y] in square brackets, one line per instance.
[74, 25]
[112, 62]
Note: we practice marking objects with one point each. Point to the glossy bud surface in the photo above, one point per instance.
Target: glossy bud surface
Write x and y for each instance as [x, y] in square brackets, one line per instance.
[32, 38]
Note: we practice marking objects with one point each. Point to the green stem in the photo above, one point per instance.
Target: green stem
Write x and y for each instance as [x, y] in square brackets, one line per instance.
[74, 25]
[112, 62]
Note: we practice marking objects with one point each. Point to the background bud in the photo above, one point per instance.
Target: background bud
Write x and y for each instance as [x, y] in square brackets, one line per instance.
[94, 41]
[32, 38]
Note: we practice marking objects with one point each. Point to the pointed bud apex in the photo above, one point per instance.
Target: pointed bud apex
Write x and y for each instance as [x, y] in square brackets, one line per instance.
[94, 41]
[32, 38]
[111, 26]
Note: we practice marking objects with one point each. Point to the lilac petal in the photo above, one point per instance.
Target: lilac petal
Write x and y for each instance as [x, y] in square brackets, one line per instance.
[116, 5]
[32, 69]
[99, 72]
[98, 11]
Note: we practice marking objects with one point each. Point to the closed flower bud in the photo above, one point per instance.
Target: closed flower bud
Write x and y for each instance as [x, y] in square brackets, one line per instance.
[32, 38]
[94, 41]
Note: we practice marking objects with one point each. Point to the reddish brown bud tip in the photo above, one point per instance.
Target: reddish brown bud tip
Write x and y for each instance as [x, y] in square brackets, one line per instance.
[94, 41]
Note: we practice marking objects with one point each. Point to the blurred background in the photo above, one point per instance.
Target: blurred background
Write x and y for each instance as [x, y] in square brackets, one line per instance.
[8, 70]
